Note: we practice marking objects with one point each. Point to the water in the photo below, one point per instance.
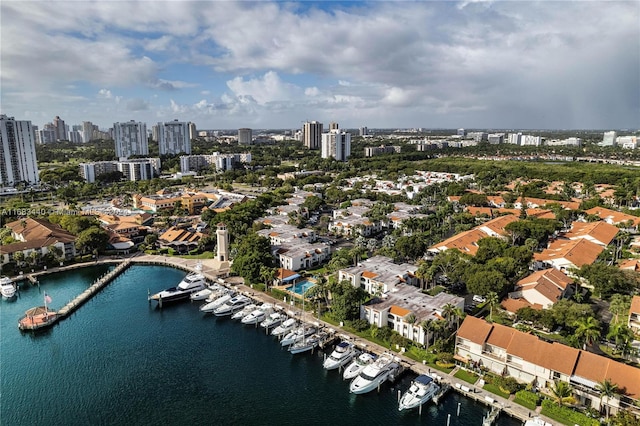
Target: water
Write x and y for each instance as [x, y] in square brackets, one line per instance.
[301, 287]
[120, 361]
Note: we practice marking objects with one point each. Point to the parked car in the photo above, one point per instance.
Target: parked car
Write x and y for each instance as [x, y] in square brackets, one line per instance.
[479, 299]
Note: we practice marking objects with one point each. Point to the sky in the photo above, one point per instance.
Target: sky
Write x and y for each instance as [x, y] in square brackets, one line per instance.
[268, 65]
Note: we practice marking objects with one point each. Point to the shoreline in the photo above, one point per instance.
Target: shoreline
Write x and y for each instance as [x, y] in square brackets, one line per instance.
[212, 274]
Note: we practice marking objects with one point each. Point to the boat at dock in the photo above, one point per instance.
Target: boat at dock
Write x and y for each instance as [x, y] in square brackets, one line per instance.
[192, 283]
[232, 306]
[258, 315]
[307, 344]
[536, 421]
[285, 327]
[273, 320]
[343, 353]
[244, 312]
[423, 388]
[211, 306]
[373, 375]
[204, 293]
[358, 365]
[7, 287]
[297, 335]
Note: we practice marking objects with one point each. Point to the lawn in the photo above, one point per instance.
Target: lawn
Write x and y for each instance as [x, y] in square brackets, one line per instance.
[466, 376]
[205, 255]
[495, 390]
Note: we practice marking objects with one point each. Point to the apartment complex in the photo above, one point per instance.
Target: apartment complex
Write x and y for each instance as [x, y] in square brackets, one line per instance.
[173, 137]
[336, 144]
[39, 236]
[312, 134]
[130, 138]
[221, 162]
[371, 151]
[18, 156]
[133, 170]
[244, 136]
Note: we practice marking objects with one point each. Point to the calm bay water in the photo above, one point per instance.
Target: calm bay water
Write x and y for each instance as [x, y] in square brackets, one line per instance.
[120, 361]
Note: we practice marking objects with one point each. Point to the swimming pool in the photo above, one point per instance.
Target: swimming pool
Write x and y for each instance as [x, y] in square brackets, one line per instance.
[301, 287]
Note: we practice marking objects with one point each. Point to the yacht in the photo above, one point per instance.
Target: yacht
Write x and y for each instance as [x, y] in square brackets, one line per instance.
[273, 320]
[306, 344]
[358, 365]
[284, 328]
[372, 376]
[536, 421]
[296, 335]
[192, 283]
[244, 312]
[204, 293]
[341, 355]
[211, 306]
[232, 306]
[254, 317]
[422, 389]
[7, 287]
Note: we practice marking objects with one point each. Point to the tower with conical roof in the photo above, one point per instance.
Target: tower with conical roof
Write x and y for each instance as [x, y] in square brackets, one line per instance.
[223, 243]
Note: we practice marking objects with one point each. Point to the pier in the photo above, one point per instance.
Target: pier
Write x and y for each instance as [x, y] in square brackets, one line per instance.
[93, 289]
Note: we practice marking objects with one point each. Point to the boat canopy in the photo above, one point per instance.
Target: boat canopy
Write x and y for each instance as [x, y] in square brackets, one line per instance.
[423, 379]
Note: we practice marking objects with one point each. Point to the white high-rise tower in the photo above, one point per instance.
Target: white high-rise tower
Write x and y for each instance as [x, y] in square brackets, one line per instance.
[17, 152]
[131, 139]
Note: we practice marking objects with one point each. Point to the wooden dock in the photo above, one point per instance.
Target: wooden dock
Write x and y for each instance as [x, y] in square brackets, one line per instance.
[70, 307]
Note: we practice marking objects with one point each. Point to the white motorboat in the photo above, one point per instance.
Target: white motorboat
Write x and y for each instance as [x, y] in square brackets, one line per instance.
[215, 304]
[254, 317]
[372, 376]
[285, 327]
[192, 283]
[358, 365]
[536, 421]
[232, 306]
[343, 353]
[306, 344]
[205, 293]
[7, 287]
[422, 389]
[244, 312]
[296, 335]
[273, 320]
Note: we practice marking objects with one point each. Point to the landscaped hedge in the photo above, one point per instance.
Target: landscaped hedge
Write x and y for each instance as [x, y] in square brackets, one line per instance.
[527, 399]
[566, 415]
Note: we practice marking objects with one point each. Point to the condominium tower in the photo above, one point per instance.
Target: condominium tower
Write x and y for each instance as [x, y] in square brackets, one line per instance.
[312, 134]
[173, 137]
[244, 136]
[336, 144]
[18, 155]
[131, 139]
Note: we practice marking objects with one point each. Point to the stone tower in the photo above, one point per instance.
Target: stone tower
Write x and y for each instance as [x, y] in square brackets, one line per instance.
[223, 243]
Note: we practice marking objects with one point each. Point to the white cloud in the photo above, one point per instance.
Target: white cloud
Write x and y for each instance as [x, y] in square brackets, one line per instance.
[265, 89]
[105, 93]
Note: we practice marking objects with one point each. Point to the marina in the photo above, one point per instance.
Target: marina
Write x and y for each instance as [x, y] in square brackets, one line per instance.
[183, 308]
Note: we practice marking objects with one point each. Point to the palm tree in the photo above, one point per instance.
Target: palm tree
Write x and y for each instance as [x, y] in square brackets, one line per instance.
[561, 391]
[267, 275]
[587, 331]
[492, 300]
[428, 326]
[622, 336]
[458, 314]
[607, 389]
[447, 311]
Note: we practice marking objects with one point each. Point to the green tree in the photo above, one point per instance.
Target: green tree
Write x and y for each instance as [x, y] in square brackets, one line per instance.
[18, 257]
[346, 300]
[267, 275]
[492, 301]
[607, 390]
[253, 252]
[561, 391]
[92, 239]
[429, 326]
[587, 331]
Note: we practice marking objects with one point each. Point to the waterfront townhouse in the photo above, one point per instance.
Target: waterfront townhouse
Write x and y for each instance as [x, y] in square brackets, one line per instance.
[628, 222]
[509, 352]
[634, 315]
[565, 254]
[600, 232]
[379, 275]
[37, 235]
[301, 255]
[404, 308]
[540, 290]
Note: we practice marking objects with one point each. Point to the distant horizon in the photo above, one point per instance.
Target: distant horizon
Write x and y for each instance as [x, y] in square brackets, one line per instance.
[271, 64]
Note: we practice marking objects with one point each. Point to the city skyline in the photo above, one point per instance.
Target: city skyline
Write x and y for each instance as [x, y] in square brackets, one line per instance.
[225, 65]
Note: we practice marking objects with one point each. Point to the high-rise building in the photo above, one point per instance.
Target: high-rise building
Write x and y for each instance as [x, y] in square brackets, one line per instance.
[61, 129]
[193, 132]
[364, 131]
[312, 134]
[609, 138]
[336, 144]
[174, 138]
[46, 135]
[495, 138]
[131, 139]
[74, 136]
[461, 132]
[87, 131]
[18, 156]
[333, 126]
[515, 138]
[244, 136]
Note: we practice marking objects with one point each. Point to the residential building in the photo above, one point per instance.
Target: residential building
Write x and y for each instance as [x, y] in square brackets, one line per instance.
[193, 132]
[634, 315]
[87, 131]
[467, 241]
[294, 248]
[371, 151]
[461, 132]
[564, 142]
[312, 134]
[508, 352]
[60, 129]
[190, 201]
[614, 217]
[515, 138]
[530, 140]
[179, 239]
[221, 162]
[37, 235]
[46, 135]
[244, 136]
[363, 131]
[478, 136]
[18, 156]
[133, 170]
[609, 138]
[131, 139]
[566, 254]
[352, 221]
[540, 290]
[333, 126]
[379, 275]
[495, 138]
[627, 142]
[336, 144]
[173, 138]
[599, 232]
[74, 136]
